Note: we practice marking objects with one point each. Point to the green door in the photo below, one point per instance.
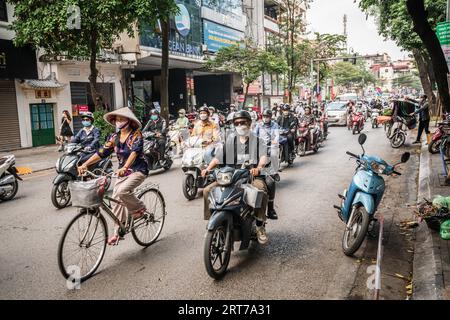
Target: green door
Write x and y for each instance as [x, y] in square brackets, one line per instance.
[42, 124]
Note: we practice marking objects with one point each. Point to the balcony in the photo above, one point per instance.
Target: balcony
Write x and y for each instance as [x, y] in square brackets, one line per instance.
[271, 25]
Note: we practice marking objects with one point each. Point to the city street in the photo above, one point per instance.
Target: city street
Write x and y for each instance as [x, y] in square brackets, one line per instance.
[303, 259]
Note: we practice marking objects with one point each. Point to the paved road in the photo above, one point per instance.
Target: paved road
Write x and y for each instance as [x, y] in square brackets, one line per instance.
[303, 259]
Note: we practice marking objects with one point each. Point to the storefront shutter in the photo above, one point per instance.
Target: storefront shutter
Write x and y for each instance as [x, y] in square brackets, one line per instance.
[9, 118]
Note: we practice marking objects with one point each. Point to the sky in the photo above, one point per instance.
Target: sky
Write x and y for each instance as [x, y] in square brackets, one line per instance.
[326, 16]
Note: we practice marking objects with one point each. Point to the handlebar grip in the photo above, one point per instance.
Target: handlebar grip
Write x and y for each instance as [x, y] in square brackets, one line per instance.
[397, 173]
[352, 154]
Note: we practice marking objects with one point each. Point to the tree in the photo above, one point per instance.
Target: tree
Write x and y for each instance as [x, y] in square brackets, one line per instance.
[348, 75]
[419, 15]
[48, 26]
[409, 80]
[248, 61]
[394, 22]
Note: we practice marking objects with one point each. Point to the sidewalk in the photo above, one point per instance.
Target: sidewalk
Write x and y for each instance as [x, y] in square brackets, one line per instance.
[431, 267]
[38, 159]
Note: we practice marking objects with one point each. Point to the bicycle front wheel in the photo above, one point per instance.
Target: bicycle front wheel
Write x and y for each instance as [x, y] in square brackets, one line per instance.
[147, 229]
[82, 246]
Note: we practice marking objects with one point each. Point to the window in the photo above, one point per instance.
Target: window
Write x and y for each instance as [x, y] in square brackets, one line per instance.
[3, 12]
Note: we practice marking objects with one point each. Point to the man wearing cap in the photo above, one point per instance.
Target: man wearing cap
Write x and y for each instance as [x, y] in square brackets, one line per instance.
[242, 146]
[128, 144]
[88, 136]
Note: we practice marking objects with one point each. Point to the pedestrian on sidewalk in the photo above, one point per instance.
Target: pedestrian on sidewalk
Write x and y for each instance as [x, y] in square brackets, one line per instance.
[65, 133]
[424, 118]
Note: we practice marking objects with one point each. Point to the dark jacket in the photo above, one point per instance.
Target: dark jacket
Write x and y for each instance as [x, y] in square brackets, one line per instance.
[424, 111]
[90, 141]
[158, 126]
[287, 123]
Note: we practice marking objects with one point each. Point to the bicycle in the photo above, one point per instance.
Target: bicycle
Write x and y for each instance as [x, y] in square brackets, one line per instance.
[88, 230]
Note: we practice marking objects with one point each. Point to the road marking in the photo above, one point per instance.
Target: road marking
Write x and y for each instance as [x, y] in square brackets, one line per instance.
[38, 175]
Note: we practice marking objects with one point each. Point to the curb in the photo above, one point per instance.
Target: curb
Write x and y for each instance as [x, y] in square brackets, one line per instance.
[427, 266]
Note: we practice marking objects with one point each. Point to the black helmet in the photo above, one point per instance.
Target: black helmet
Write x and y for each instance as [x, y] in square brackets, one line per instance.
[286, 107]
[267, 113]
[204, 109]
[242, 115]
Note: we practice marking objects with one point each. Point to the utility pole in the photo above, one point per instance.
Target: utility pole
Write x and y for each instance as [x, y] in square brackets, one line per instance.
[448, 10]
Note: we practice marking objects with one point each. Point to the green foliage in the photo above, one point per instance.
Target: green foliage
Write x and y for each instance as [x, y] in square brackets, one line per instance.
[408, 81]
[105, 128]
[248, 61]
[349, 75]
[395, 23]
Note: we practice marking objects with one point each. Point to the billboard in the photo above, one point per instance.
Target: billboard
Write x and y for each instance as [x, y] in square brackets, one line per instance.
[216, 36]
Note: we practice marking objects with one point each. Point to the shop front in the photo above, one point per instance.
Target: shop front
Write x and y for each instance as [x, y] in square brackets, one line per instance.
[15, 64]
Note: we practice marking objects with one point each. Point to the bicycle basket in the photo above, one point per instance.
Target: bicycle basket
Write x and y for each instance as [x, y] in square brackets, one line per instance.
[253, 196]
[87, 194]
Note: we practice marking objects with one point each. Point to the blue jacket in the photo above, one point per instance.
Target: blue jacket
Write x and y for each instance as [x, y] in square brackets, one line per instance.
[90, 141]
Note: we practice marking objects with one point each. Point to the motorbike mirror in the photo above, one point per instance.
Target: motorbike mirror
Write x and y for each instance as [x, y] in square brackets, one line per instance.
[405, 157]
[276, 177]
[362, 138]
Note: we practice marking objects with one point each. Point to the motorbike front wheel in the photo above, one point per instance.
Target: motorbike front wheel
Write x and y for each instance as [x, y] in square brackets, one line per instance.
[434, 146]
[355, 231]
[189, 187]
[217, 252]
[398, 139]
[12, 193]
[61, 195]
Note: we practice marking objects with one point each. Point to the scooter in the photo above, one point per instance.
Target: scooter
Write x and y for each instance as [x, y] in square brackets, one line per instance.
[357, 122]
[284, 155]
[375, 113]
[436, 140]
[308, 139]
[67, 169]
[360, 202]
[232, 220]
[152, 155]
[8, 178]
[192, 164]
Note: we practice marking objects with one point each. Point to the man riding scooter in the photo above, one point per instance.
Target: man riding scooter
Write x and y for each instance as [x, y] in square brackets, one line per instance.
[269, 131]
[243, 146]
[289, 123]
[158, 126]
[88, 137]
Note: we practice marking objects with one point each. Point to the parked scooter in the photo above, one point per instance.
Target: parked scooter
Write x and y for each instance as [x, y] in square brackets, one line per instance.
[361, 200]
[357, 122]
[152, 154]
[232, 204]
[66, 167]
[8, 178]
[436, 140]
[192, 164]
[308, 139]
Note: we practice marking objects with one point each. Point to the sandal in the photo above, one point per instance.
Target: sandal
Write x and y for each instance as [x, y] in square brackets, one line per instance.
[138, 214]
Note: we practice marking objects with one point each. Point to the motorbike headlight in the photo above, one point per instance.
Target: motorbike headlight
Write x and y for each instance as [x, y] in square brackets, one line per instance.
[378, 168]
[224, 179]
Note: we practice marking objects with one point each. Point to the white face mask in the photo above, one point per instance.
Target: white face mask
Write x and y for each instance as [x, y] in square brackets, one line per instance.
[243, 130]
[203, 117]
[122, 125]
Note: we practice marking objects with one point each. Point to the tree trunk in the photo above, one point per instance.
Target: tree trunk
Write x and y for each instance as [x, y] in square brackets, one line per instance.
[165, 27]
[247, 86]
[424, 79]
[94, 72]
[429, 65]
[419, 15]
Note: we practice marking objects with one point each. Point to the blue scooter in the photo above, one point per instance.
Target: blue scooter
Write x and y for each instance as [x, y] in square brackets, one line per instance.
[361, 200]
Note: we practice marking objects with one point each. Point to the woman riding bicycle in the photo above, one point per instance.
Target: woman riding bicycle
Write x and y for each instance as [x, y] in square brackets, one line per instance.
[128, 144]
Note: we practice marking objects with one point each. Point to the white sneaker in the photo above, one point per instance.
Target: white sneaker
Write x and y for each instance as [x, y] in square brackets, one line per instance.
[261, 235]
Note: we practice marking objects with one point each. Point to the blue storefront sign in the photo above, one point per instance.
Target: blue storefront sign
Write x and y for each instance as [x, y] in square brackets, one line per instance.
[216, 36]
